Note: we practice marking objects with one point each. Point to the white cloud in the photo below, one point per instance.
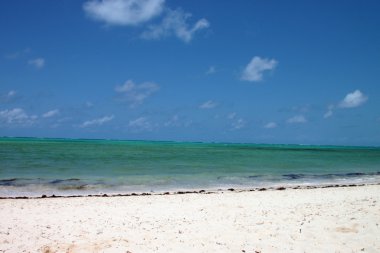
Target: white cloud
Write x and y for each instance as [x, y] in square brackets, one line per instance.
[11, 94]
[50, 113]
[353, 99]
[38, 63]
[175, 23]
[176, 121]
[208, 105]
[123, 12]
[88, 104]
[136, 12]
[18, 54]
[8, 97]
[297, 119]
[135, 94]
[232, 115]
[238, 124]
[97, 122]
[329, 112]
[140, 124]
[270, 125]
[16, 116]
[253, 72]
[211, 70]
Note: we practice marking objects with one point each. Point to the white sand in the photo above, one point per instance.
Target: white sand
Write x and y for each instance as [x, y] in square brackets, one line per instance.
[314, 220]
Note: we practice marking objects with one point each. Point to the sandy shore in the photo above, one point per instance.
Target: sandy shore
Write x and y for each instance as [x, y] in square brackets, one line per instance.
[345, 219]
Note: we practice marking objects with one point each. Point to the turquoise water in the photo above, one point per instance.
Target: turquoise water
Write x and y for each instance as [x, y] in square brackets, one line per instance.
[31, 166]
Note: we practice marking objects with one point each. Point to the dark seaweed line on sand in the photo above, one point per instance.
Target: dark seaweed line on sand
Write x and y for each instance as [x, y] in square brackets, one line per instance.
[76, 183]
[280, 188]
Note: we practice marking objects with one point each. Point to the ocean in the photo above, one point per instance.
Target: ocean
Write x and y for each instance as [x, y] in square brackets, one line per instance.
[32, 166]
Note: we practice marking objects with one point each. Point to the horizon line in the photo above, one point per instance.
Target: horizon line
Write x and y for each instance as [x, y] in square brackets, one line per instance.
[176, 141]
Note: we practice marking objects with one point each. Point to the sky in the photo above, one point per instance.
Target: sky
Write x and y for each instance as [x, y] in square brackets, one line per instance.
[252, 71]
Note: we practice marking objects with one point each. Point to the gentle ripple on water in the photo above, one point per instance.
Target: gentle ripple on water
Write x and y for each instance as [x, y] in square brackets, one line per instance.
[58, 166]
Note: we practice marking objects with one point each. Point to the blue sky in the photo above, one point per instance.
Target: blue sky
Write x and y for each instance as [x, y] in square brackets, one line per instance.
[234, 71]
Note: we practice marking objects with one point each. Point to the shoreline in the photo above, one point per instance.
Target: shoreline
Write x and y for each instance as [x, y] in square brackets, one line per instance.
[198, 191]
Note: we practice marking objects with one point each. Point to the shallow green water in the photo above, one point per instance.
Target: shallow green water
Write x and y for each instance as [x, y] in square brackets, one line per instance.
[60, 166]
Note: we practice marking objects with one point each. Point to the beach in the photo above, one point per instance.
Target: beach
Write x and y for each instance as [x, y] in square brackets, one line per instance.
[335, 219]
[141, 126]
